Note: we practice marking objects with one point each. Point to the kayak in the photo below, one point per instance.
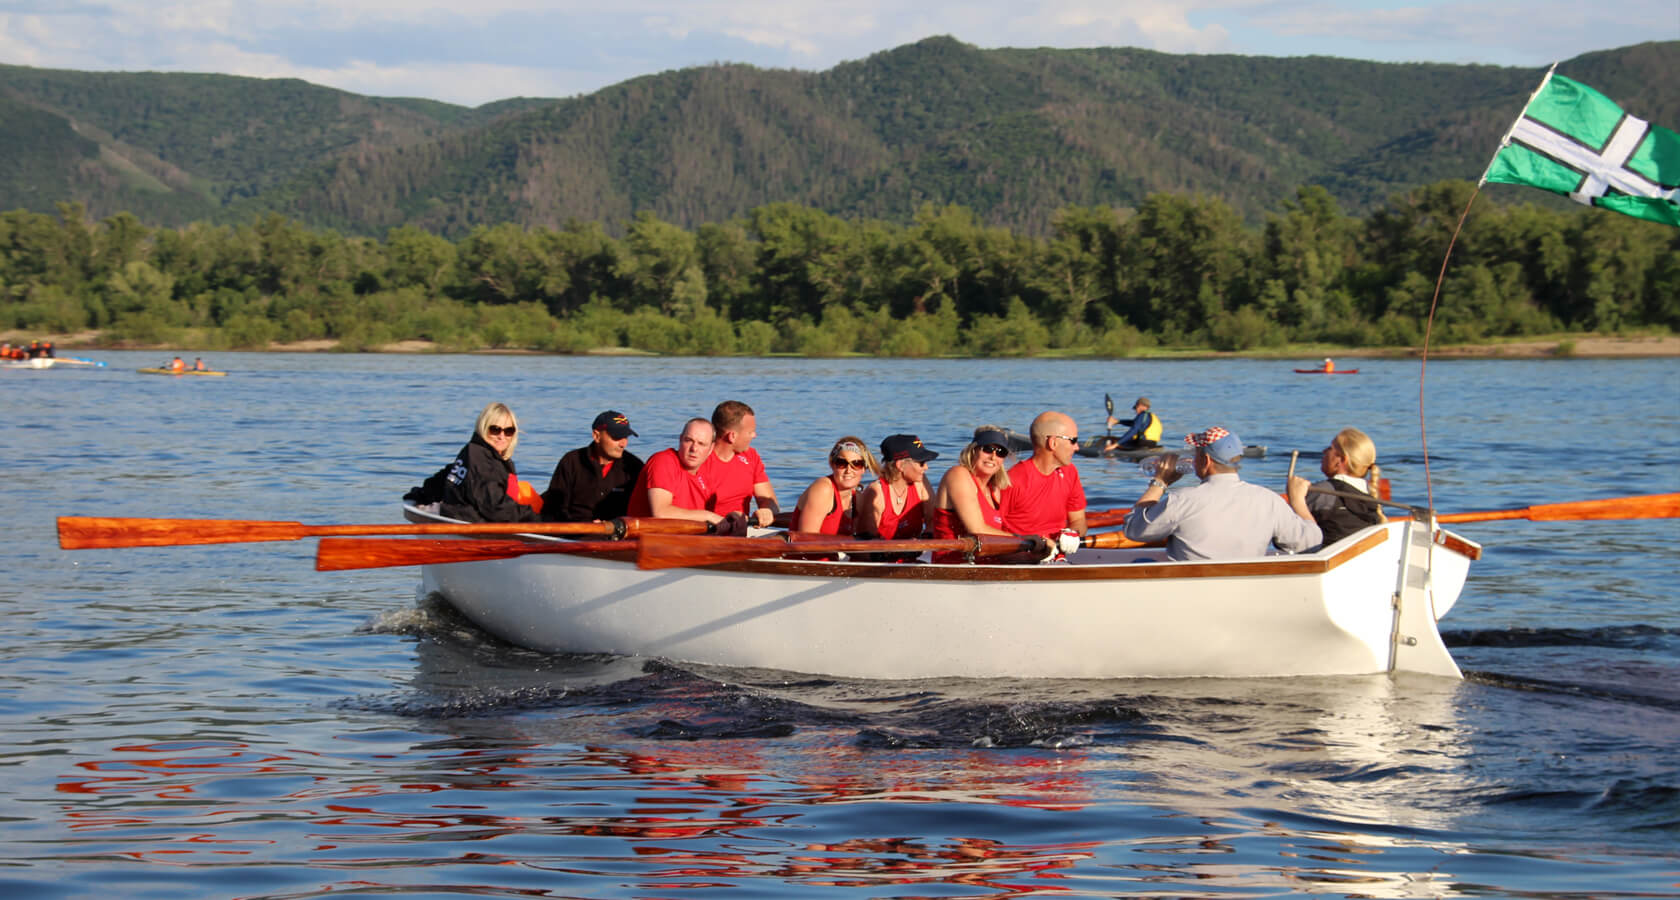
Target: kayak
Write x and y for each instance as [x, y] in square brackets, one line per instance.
[1331, 372]
[1096, 448]
[173, 372]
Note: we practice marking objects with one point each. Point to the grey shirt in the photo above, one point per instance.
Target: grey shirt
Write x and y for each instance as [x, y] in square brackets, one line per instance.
[1224, 517]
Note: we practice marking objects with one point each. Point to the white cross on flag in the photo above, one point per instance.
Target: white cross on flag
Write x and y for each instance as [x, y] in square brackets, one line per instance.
[1572, 140]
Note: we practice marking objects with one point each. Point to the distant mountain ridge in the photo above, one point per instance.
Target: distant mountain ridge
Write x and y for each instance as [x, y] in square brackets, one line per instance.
[1014, 135]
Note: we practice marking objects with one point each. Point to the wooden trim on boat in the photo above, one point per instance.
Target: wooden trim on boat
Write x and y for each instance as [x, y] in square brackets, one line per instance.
[1139, 571]
[1458, 545]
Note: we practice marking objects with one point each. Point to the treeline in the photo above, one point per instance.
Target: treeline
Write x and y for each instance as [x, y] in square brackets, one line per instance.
[1180, 271]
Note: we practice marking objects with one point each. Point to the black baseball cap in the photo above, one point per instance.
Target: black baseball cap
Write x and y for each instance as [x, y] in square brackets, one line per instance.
[905, 446]
[615, 424]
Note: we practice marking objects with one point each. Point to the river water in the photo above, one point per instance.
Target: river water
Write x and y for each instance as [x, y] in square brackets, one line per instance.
[225, 721]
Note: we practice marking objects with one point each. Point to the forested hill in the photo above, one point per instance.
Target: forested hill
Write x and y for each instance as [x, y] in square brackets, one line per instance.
[1014, 135]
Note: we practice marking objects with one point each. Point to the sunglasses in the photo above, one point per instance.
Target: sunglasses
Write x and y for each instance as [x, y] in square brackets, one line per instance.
[498, 431]
[995, 450]
[1072, 440]
[839, 463]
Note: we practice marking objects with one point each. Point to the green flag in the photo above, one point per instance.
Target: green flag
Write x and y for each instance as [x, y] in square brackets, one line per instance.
[1572, 140]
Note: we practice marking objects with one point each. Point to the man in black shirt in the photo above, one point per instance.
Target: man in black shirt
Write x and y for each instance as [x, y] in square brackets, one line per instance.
[593, 482]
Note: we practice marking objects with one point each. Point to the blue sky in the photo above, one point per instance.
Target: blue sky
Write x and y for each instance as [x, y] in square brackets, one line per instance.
[475, 51]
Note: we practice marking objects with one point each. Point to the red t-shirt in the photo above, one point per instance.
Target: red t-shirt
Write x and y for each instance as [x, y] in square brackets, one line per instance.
[1036, 503]
[732, 482]
[664, 470]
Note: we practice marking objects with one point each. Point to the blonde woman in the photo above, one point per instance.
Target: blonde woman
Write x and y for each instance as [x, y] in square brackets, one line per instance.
[481, 484]
[971, 492]
[896, 506]
[826, 506]
[1350, 466]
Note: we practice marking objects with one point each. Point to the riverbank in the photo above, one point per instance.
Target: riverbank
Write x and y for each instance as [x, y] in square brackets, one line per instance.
[1551, 346]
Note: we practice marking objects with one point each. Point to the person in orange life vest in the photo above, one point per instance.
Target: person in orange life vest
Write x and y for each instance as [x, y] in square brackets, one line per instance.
[198, 364]
[47, 349]
[481, 484]
[734, 472]
[1045, 495]
[177, 365]
[672, 485]
[594, 482]
[897, 506]
[1328, 365]
[826, 506]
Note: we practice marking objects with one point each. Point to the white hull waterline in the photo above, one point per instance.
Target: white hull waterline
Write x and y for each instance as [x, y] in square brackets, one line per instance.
[1367, 604]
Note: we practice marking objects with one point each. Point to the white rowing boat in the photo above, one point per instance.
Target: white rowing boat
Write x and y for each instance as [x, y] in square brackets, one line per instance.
[39, 362]
[1366, 604]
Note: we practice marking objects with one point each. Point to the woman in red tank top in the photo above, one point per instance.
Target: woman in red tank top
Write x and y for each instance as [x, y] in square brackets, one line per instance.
[971, 492]
[826, 506]
[895, 507]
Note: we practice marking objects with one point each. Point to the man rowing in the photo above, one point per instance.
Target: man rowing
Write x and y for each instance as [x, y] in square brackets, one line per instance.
[1224, 517]
[1044, 494]
[734, 472]
[594, 482]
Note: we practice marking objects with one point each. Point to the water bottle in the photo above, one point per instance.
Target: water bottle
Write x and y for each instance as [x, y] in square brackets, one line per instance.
[1151, 466]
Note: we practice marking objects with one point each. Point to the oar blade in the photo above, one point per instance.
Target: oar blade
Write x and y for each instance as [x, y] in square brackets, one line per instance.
[1649, 506]
[1646, 506]
[670, 551]
[93, 532]
[340, 554]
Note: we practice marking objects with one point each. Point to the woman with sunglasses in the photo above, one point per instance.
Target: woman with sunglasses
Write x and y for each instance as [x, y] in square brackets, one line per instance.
[481, 484]
[826, 506]
[971, 492]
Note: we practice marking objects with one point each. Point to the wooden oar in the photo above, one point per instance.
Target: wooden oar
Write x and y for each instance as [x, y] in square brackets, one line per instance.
[338, 554]
[1646, 506]
[666, 551]
[1107, 517]
[83, 533]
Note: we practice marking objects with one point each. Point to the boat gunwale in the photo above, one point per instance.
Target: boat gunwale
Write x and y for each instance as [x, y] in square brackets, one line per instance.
[1306, 564]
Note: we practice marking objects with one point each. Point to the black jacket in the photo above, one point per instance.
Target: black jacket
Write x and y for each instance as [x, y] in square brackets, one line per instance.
[578, 493]
[1339, 517]
[474, 487]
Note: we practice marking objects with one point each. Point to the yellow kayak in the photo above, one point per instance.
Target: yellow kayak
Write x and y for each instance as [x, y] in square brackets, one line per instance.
[182, 372]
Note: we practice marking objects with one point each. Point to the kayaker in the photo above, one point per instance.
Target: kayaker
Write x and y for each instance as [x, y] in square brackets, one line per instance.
[198, 364]
[1224, 517]
[897, 507]
[1045, 495]
[1350, 464]
[826, 507]
[481, 483]
[671, 485]
[1329, 365]
[734, 473]
[593, 482]
[177, 365]
[1143, 429]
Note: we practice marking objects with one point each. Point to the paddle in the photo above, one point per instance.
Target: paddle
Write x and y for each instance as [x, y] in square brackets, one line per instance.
[83, 533]
[338, 554]
[1108, 403]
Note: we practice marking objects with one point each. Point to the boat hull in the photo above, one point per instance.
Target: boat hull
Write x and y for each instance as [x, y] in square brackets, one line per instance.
[1107, 615]
[185, 372]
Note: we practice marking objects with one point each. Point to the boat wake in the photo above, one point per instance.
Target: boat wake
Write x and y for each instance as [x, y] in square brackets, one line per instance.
[1628, 637]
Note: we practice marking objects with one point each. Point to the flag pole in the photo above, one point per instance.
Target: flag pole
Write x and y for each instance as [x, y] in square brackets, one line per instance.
[1506, 140]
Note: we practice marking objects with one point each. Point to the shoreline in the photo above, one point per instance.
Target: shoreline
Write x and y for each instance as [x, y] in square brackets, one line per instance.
[1579, 346]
